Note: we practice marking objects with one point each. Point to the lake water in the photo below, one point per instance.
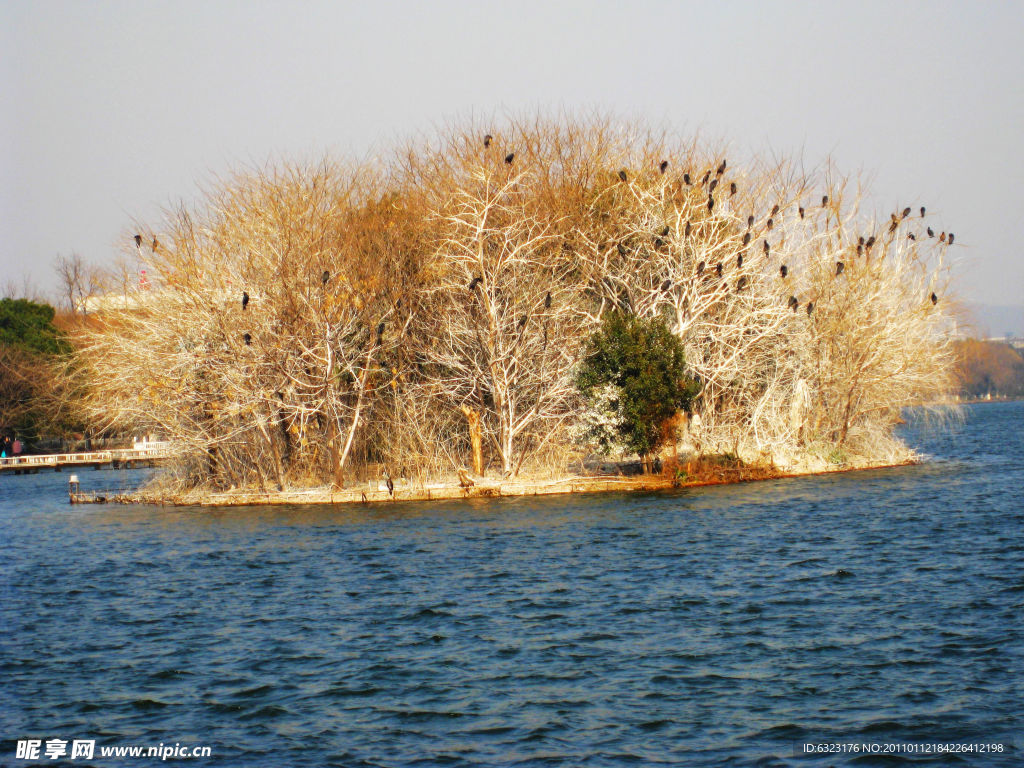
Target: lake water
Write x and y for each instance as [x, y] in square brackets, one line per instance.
[715, 626]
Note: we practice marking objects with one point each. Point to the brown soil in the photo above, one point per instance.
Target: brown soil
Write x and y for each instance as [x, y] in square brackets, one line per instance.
[696, 473]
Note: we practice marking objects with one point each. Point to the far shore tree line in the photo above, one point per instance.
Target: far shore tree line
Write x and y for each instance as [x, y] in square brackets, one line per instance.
[34, 399]
[989, 369]
[508, 302]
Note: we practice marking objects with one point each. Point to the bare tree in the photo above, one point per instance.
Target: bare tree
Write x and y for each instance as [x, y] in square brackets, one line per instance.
[261, 336]
[23, 289]
[504, 296]
[80, 282]
[307, 324]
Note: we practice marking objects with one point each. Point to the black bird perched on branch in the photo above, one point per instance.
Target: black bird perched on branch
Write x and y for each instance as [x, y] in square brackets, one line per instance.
[931, 232]
[475, 282]
[793, 303]
[950, 240]
[892, 226]
[922, 211]
[746, 238]
[666, 285]
[245, 300]
[247, 338]
[721, 169]
[783, 270]
[712, 185]
[911, 236]
[380, 329]
[711, 203]
[860, 249]
[741, 283]
[839, 268]
[705, 179]
[622, 175]
[750, 221]
[801, 209]
[718, 269]
[700, 267]
[775, 210]
[824, 200]
[522, 322]
[155, 245]
[935, 299]
[666, 230]
[621, 248]
[325, 277]
[686, 229]
[739, 260]
[810, 308]
[870, 242]
[770, 223]
[860, 240]
[487, 140]
[547, 301]
[391, 486]
[906, 212]
[942, 237]
[686, 179]
[510, 157]
[663, 166]
[767, 248]
[138, 241]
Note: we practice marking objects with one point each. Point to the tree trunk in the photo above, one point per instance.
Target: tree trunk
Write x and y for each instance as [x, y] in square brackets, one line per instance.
[274, 454]
[337, 472]
[475, 438]
[286, 437]
[507, 465]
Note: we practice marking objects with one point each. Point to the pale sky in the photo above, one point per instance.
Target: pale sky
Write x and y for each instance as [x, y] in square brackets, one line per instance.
[112, 110]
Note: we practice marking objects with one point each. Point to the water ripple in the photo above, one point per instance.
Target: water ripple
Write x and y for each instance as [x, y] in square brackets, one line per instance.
[719, 626]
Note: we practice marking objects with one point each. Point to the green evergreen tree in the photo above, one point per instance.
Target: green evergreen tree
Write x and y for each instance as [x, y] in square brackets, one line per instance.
[28, 326]
[645, 364]
[29, 343]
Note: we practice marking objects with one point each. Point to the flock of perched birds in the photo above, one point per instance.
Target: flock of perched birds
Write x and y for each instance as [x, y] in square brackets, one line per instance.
[864, 245]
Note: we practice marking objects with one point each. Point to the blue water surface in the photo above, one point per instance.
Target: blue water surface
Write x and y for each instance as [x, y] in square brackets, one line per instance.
[714, 626]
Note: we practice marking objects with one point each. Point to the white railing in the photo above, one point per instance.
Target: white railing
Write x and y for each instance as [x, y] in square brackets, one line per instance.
[163, 451]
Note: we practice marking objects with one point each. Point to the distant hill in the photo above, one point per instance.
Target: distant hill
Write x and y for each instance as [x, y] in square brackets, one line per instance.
[997, 321]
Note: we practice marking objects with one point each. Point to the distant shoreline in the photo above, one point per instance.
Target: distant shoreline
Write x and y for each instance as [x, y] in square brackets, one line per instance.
[995, 399]
[479, 490]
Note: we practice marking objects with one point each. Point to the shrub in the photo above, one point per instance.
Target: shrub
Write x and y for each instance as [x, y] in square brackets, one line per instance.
[645, 364]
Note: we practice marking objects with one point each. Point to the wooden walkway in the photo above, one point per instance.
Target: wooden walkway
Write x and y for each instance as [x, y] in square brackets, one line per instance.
[118, 458]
